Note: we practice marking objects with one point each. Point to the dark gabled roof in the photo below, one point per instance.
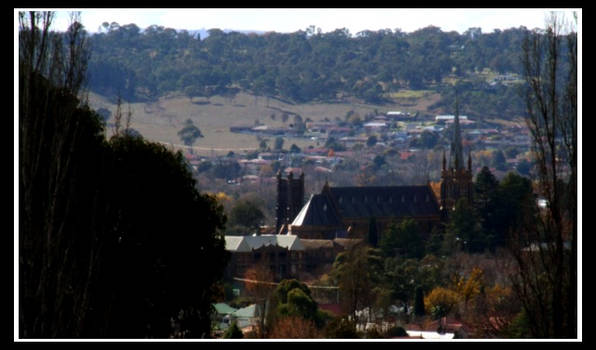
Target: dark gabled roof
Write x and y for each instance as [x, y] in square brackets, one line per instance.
[318, 211]
[395, 201]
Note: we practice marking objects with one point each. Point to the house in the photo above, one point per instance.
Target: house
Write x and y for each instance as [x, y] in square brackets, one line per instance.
[246, 317]
[399, 115]
[222, 316]
[375, 126]
[449, 117]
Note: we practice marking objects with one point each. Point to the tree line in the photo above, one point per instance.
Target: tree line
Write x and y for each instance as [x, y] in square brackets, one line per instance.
[306, 65]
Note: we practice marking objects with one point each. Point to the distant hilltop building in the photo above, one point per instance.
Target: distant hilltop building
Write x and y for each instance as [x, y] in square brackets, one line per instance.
[349, 211]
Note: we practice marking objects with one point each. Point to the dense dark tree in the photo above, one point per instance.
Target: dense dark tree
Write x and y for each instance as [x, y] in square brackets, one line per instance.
[464, 229]
[524, 167]
[402, 239]
[292, 298]
[357, 271]
[427, 139]
[227, 169]
[246, 215]
[373, 234]
[498, 160]
[515, 206]
[189, 133]
[419, 302]
[233, 332]
[107, 230]
[486, 189]
[278, 143]
[155, 243]
[295, 149]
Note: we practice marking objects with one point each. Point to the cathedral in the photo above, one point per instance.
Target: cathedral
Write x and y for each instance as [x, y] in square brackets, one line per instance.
[349, 211]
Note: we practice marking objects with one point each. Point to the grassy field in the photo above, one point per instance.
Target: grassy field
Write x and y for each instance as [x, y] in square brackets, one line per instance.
[160, 121]
[410, 94]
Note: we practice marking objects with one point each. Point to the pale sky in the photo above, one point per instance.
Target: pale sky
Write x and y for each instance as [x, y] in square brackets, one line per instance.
[287, 20]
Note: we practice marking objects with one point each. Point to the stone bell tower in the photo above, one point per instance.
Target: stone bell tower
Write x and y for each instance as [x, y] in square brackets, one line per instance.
[456, 180]
[290, 199]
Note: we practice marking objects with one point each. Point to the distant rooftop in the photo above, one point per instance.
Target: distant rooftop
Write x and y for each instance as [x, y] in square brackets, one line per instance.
[450, 117]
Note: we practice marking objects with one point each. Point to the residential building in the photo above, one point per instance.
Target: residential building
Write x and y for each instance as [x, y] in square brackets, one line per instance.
[281, 253]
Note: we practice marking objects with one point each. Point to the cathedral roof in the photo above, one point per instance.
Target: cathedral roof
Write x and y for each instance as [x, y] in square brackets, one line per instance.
[318, 211]
[384, 201]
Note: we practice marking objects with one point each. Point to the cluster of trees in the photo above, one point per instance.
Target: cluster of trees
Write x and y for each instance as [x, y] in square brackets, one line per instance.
[497, 210]
[418, 269]
[482, 99]
[111, 232]
[303, 66]
[427, 287]
[286, 309]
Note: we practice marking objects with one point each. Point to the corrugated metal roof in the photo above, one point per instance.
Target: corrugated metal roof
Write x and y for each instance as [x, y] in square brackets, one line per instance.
[223, 308]
[236, 243]
[246, 312]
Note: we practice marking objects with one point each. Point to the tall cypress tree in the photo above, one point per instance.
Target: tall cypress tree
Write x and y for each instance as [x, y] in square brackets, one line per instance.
[373, 238]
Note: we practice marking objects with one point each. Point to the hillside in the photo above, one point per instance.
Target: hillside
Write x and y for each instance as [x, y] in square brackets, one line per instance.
[376, 68]
[161, 120]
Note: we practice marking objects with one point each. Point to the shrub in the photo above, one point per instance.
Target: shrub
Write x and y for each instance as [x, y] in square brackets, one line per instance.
[396, 331]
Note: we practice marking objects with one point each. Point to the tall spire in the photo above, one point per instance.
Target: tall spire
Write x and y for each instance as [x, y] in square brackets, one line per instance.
[456, 144]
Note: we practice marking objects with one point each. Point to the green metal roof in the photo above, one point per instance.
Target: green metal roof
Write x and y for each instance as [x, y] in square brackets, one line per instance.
[247, 312]
[223, 308]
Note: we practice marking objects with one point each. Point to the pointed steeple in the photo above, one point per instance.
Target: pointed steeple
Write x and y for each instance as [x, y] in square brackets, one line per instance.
[456, 158]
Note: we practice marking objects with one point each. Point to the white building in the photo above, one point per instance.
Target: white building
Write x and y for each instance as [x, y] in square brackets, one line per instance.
[449, 117]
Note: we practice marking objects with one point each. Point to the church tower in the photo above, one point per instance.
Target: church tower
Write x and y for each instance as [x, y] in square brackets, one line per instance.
[456, 180]
[290, 199]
